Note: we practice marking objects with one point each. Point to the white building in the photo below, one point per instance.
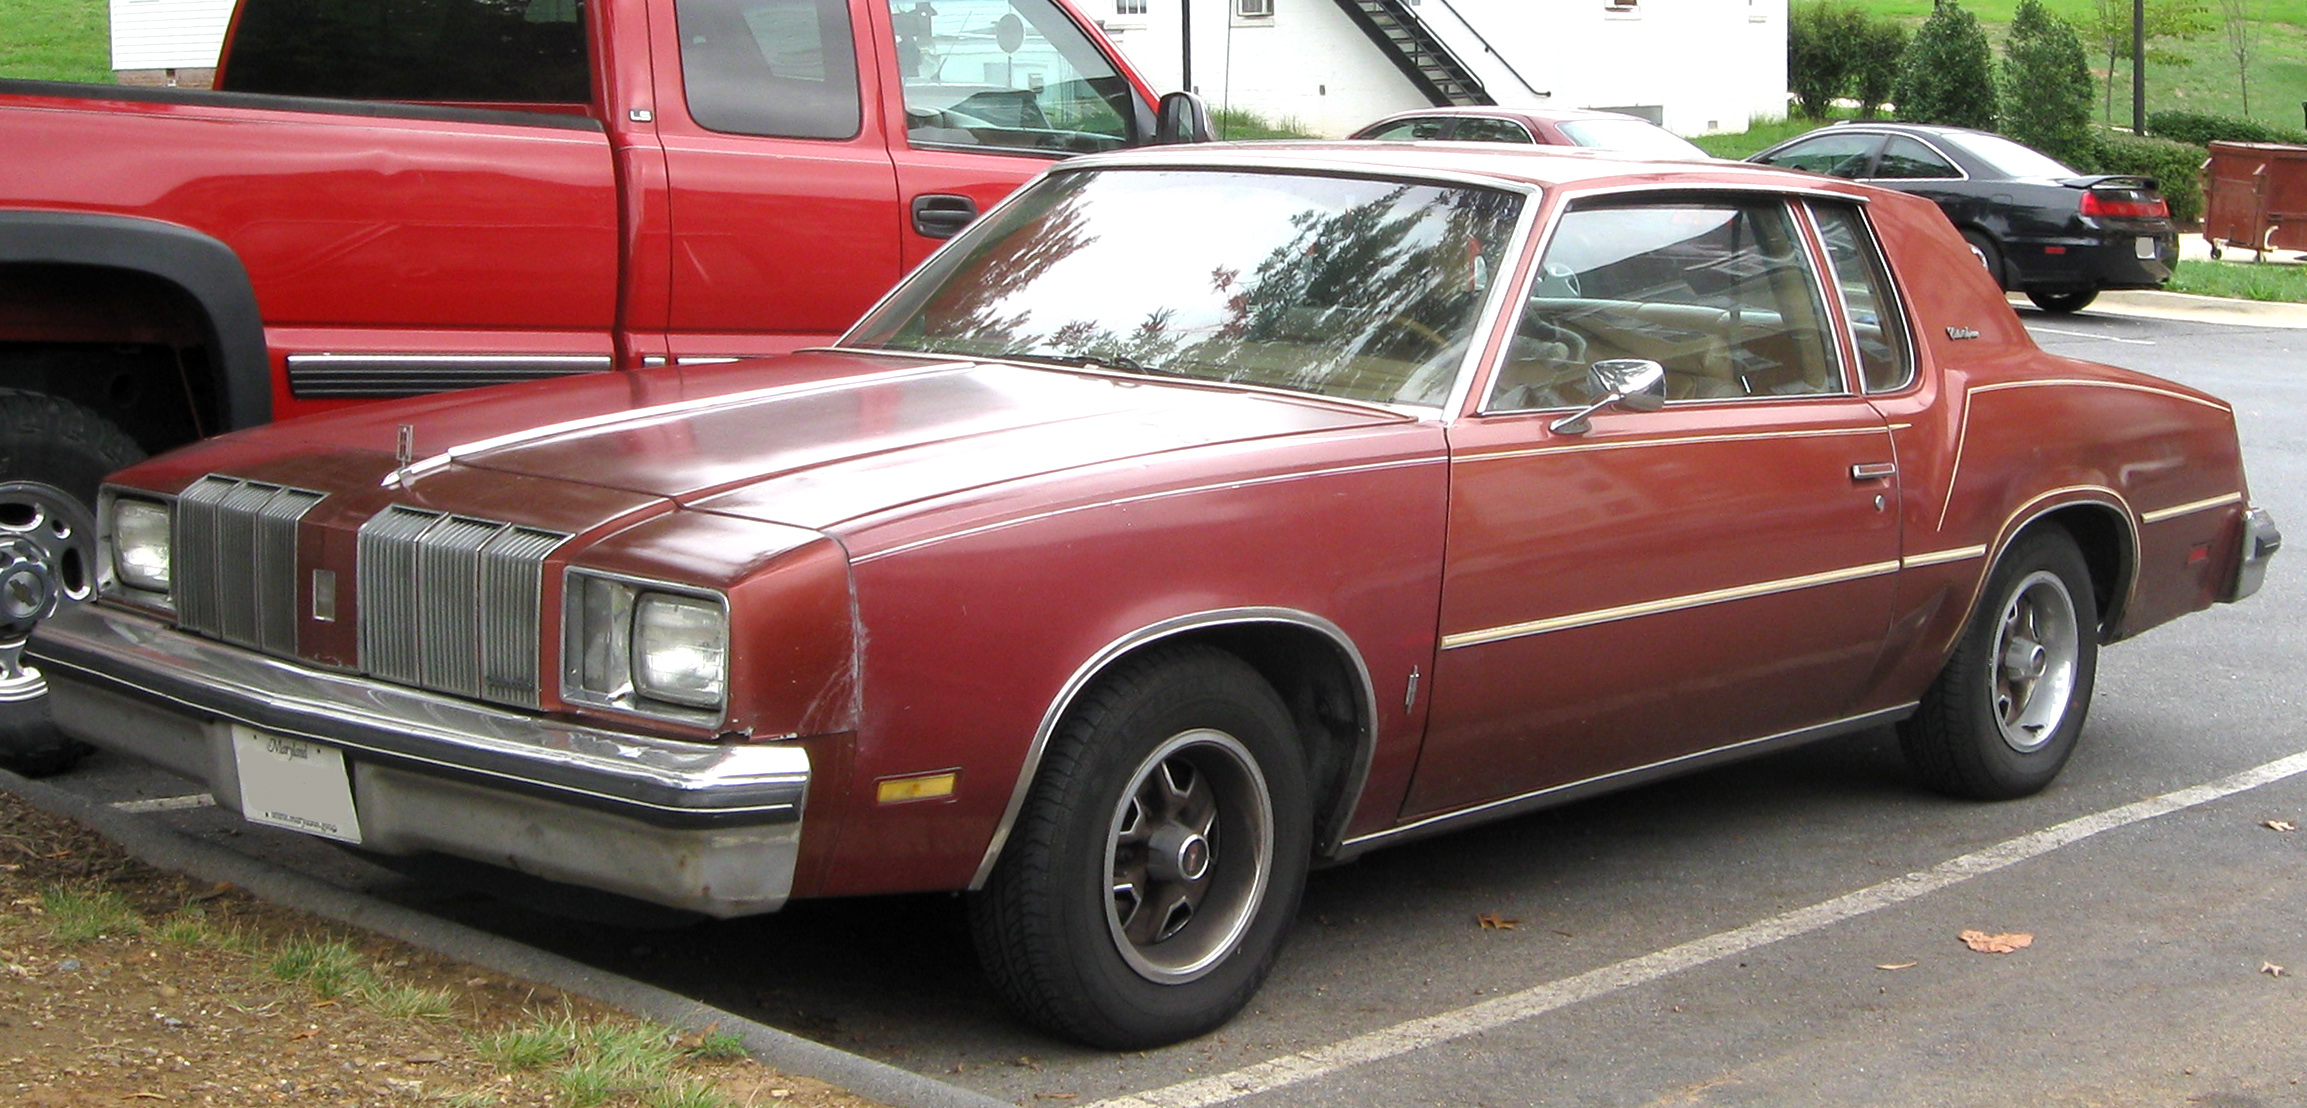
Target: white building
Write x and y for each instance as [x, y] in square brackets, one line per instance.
[1694, 66]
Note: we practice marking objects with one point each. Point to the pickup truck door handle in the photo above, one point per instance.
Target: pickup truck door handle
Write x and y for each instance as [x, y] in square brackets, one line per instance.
[1873, 471]
[942, 215]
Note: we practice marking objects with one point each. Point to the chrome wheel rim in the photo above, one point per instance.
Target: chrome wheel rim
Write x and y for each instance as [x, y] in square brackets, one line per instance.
[2038, 645]
[1188, 854]
[49, 518]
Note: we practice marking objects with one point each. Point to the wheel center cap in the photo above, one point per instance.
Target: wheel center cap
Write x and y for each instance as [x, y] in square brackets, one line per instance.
[1178, 854]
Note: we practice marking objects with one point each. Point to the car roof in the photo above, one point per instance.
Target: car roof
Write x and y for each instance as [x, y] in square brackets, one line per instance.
[1483, 111]
[1511, 165]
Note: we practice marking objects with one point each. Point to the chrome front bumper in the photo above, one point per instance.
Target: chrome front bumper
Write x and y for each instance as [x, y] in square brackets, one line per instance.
[2261, 539]
[711, 828]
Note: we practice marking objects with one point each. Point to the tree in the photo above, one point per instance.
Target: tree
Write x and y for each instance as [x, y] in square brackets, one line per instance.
[2242, 43]
[2046, 84]
[2109, 31]
[1820, 38]
[1881, 42]
[1947, 74]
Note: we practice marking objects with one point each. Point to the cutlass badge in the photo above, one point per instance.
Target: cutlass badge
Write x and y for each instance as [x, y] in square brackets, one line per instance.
[1962, 332]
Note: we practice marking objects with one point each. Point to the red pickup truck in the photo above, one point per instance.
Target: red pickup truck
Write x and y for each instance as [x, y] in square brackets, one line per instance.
[390, 197]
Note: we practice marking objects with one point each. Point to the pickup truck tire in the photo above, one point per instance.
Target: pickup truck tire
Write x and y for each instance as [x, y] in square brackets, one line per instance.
[54, 454]
[2002, 718]
[1156, 866]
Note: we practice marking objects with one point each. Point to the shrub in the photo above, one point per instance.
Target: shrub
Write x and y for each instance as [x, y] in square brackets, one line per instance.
[2176, 166]
[1819, 53]
[1947, 73]
[2046, 84]
[2203, 129]
[1880, 43]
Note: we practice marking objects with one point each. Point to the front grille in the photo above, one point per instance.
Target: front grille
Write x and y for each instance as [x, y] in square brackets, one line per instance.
[451, 603]
[235, 561]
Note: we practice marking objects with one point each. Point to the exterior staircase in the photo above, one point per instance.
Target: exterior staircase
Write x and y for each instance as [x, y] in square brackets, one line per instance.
[1397, 30]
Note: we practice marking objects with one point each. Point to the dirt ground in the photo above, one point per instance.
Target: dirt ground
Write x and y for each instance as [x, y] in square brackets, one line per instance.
[121, 984]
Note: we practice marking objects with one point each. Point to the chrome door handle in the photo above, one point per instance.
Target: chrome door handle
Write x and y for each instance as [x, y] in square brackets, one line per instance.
[1873, 471]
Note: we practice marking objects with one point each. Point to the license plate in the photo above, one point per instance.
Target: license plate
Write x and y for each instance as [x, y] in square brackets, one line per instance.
[2146, 248]
[295, 784]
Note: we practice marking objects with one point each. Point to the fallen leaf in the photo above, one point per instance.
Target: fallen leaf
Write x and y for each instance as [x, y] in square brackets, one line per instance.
[2271, 969]
[422, 1058]
[2280, 825]
[1898, 965]
[214, 891]
[1491, 921]
[1996, 944]
[307, 1033]
[143, 1096]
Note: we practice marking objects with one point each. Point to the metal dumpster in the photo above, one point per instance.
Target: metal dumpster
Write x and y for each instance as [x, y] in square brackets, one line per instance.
[2256, 197]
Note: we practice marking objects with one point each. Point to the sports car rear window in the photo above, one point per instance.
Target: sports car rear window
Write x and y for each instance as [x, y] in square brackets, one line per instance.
[1348, 287]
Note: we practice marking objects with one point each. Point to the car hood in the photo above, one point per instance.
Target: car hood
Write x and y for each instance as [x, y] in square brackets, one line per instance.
[813, 440]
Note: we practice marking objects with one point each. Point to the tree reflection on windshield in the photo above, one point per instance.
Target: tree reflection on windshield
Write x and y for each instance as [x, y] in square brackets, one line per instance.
[1353, 288]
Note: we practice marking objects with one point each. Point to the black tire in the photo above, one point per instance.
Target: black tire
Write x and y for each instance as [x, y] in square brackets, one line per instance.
[2063, 303]
[1060, 942]
[53, 455]
[1988, 254]
[2003, 717]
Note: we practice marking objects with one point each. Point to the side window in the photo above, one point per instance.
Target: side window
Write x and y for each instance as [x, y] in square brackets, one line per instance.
[1410, 129]
[1006, 75]
[1492, 130]
[786, 68]
[1885, 358]
[510, 52]
[1833, 155]
[1907, 159]
[1719, 292]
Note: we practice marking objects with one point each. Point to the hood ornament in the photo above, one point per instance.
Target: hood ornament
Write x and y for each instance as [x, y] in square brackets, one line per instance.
[404, 452]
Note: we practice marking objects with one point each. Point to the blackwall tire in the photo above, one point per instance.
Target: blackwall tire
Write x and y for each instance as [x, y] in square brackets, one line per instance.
[2063, 303]
[1988, 254]
[2003, 717]
[1145, 890]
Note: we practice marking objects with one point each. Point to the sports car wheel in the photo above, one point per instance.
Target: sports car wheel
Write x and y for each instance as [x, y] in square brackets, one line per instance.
[1145, 890]
[2063, 303]
[2004, 715]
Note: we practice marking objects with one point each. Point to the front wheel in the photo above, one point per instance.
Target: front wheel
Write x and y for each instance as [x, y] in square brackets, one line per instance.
[2063, 303]
[1145, 891]
[2004, 715]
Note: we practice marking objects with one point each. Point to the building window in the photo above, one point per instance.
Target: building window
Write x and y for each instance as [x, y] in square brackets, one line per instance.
[1129, 7]
[1254, 9]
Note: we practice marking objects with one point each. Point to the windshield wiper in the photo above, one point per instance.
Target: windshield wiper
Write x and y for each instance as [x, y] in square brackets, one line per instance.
[1092, 361]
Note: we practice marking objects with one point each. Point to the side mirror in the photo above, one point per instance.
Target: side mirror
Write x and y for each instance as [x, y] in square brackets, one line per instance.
[1182, 117]
[1636, 384]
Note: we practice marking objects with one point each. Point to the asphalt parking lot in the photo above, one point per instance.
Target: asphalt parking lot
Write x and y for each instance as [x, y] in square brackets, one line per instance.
[1779, 932]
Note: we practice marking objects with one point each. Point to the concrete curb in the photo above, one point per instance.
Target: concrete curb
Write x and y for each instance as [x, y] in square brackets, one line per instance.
[2200, 309]
[163, 846]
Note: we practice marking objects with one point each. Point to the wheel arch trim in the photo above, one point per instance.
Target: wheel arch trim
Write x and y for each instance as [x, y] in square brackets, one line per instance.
[203, 267]
[1357, 770]
[2100, 498]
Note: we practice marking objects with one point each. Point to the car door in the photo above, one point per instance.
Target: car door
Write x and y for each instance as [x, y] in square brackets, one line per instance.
[981, 95]
[1660, 583]
[783, 195]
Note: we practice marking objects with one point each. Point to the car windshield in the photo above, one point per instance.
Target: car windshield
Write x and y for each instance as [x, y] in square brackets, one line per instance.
[1346, 287]
[2009, 158]
[1635, 136]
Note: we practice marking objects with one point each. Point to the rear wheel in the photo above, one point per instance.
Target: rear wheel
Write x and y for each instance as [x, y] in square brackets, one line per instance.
[1145, 891]
[2005, 714]
[2063, 303]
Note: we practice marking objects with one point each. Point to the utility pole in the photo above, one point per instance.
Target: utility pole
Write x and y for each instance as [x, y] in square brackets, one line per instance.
[2138, 67]
[1186, 47]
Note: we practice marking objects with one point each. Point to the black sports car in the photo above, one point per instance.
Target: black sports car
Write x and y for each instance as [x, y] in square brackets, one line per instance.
[2040, 227]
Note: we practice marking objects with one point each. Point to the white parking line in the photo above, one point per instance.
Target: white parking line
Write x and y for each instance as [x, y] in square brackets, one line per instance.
[166, 803]
[1403, 1038]
[2089, 335]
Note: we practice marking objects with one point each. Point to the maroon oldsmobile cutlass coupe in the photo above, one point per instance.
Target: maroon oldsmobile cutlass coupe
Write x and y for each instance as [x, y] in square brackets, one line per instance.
[1200, 514]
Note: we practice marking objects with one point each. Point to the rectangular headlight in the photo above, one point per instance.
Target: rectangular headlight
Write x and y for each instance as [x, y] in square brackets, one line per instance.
[643, 646]
[140, 544]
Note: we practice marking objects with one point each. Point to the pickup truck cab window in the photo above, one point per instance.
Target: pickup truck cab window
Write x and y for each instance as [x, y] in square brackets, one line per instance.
[1006, 75]
[1720, 293]
[508, 52]
[786, 68]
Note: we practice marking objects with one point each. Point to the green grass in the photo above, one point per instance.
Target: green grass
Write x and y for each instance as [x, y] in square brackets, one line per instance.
[332, 967]
[82, 915]
[56, 40]
[1762, 134]
[2243, 280]
[536, 1044]
[1233, 124]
